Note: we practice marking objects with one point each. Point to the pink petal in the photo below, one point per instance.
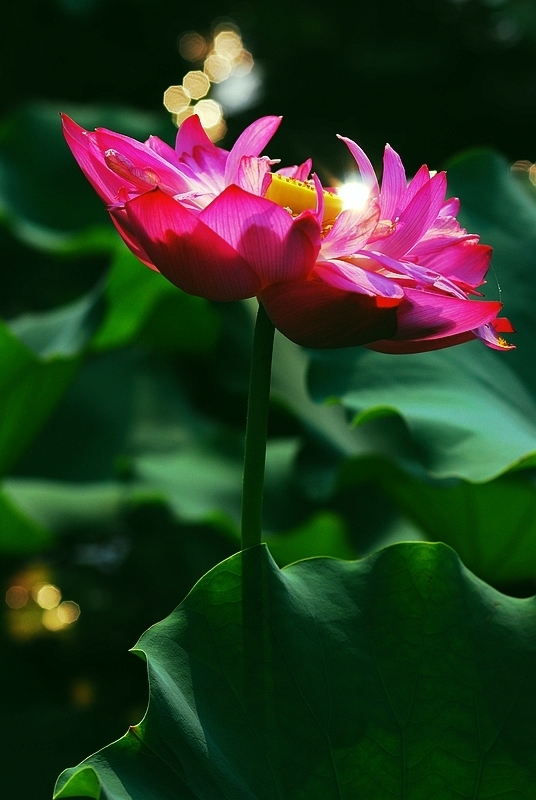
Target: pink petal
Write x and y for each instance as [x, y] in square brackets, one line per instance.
[450, 207]
[135, 161]
[465, 261]
[416, 218]
[251, 142]
[368, 176]
[489, 334]
[276, 246]
[187, 251]
[352, 278]
[427, 315]
[162, 149]
[431, 322]
[251, 174]
[408, 347]
[319, 210]
[503, 325]
[401, 269]
[190, 135]
[443, 230]
[350, 231]
[313, 314]
[120, 219]
[91, 162]
[420, 179]
[393, 183]
[142, 179]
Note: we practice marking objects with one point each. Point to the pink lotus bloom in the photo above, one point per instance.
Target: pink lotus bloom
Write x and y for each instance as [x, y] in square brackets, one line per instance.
[394, 275]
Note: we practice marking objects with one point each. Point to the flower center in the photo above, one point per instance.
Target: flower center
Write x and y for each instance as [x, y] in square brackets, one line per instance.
[298, 196]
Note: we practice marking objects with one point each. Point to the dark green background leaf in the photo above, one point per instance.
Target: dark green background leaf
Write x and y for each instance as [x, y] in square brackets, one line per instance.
[30, 387]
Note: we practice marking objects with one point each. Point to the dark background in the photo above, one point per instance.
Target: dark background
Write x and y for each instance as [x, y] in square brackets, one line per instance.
[431, 77]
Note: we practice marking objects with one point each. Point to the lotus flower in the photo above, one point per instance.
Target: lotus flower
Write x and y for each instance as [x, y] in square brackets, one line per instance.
[394, 275]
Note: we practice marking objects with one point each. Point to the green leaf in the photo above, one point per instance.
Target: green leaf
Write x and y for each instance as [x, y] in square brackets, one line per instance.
[85, 784]
[202, 480]
[467, 413]
[492, 526]
[143, 303]
[20, 533]
[324, 534]
[30, 387]
[401, 675]
[59, 506]
[495, 205]
[63, 331]
[39, 356]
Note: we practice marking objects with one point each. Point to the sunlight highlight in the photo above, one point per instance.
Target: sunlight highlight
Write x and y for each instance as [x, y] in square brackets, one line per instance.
[353, 194]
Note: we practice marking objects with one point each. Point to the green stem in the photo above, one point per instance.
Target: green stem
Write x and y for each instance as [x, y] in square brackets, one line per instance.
[257, 421]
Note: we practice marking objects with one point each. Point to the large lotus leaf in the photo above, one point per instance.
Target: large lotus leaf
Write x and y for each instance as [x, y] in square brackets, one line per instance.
[401, 675]
[122, 403]
[63, 331]
[127, 416]
[58, 506]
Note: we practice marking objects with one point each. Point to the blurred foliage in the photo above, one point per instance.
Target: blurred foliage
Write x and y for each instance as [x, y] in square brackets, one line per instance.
[123, 400]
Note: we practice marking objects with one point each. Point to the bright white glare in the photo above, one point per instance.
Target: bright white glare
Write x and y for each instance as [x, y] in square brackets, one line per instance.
[353, 193]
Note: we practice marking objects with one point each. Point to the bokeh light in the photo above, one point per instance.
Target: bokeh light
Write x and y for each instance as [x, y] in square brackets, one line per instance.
[82, 693]
[34, 605]
[179, 118]
[228, 43]
[55, 619]
[46, 595]
[192, 46]
[223, 57]
[196, 84]
[176, 99]
[525, 168]
[243, 64]
[210, 113]
[217, 67]
[68, 611]
[16, 597]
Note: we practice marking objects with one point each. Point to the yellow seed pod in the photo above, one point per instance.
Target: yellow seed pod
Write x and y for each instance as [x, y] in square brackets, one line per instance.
[299, 196]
